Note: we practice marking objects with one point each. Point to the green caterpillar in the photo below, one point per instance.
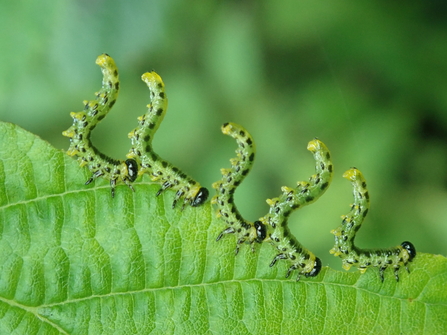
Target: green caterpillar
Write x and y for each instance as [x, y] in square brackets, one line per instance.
[141, 158]
[273, 226]
[84, 122]
[160, 170]
[292, 199]
[345, 234]
[231, 178]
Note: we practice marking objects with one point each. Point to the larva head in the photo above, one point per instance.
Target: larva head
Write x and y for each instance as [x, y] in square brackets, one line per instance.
[200, 197]
[261, 231]
[316, 269]
[132, 169]
[409, 247]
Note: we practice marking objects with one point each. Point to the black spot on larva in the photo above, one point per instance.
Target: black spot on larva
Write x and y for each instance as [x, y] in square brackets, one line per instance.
[365, 212]
[225, 124]
[161, 95]
[112, 103]
[324, 186]
[151, 125]
[364, 185]
[146, 138]
[164, 164]
[309, 199]
[252, 157]
[242, 133]
[330, 168]
[328, 155]
[366, 195]
[159, 111]
[249, 141]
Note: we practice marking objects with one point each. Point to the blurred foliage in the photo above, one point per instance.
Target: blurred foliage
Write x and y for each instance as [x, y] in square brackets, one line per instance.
[368, 79]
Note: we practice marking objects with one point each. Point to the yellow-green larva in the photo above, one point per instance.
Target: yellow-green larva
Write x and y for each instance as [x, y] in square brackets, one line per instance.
[160, 170]
[83, 124]
[345, 234]
[246, 232]
[273, 226]
[292, 199]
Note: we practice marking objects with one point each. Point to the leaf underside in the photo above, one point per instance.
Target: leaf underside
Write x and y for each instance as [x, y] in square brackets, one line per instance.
[76, 261]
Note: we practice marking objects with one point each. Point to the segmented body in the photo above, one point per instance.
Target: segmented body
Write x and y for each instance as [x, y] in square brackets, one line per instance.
[292, 199]
[84, 122]
[160, 170]
[273, 226]
[231, 178]
[345, 234]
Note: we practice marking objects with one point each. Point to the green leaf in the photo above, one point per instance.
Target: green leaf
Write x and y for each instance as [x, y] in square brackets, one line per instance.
[76, 261]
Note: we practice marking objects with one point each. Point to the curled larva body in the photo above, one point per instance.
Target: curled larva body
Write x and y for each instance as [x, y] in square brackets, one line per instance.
[83, 124]
[345, 234]
[291, 199]
[160, 170]
[273, 226]
[246, 232]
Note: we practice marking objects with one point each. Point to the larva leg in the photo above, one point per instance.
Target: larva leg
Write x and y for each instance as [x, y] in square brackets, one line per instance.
[345, 235]
[291, 199]
[160, 170]
[83, 124]
[246, 232]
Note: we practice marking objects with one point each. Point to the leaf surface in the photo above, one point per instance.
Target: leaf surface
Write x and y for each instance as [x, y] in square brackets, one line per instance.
[76, 261]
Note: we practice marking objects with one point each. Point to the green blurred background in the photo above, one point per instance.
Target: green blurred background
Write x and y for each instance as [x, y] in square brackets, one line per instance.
[367, 78]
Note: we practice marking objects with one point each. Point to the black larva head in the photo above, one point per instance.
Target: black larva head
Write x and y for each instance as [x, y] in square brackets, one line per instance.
[261, 231]
[410, 249]
[132, 169]
[316, 270]
[200, 197]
